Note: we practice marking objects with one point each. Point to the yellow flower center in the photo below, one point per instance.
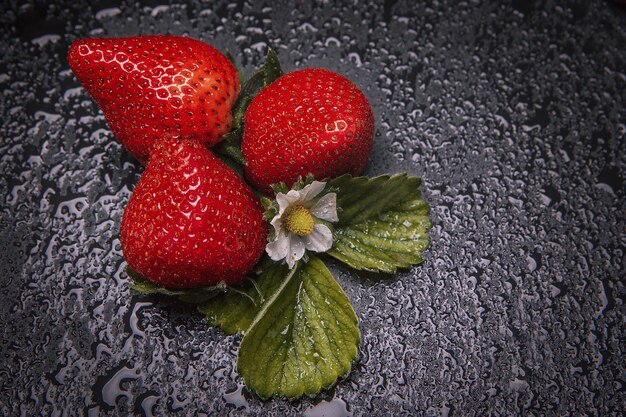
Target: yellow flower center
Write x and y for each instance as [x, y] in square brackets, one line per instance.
[298, 220]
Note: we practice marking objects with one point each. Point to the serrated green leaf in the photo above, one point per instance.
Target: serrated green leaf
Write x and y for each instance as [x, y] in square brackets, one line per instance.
[303, 339]
[193, 296]
[383, 222]
[235, 310]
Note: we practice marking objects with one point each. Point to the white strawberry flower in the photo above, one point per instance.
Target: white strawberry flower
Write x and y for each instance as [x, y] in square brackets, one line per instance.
[297, 225]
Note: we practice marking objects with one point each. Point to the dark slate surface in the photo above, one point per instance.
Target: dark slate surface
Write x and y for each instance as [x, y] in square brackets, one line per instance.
[513, 114]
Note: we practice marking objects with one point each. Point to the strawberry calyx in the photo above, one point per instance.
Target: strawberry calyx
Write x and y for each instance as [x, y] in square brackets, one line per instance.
[229, 150]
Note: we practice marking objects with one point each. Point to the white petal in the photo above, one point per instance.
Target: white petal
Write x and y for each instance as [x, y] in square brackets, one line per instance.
[320, 240]
[277, 224]
[279, 248]
[326, 208]
[309, 192]
[285, 200]
[296, 250]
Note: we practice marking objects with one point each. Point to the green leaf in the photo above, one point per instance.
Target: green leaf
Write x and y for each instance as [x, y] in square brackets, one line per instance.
[235, 310]
[194, 296]
[383, 222]
[303, 339]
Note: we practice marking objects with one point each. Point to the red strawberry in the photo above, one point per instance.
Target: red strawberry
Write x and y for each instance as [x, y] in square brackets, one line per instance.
[191, 220]
[308, 121]
[152, 86]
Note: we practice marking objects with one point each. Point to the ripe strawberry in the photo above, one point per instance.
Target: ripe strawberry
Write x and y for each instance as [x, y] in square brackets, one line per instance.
[191, 220]
[152, 86]
[307, 121]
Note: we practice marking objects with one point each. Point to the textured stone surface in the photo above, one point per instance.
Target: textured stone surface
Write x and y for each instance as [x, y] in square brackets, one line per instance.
[513, 114]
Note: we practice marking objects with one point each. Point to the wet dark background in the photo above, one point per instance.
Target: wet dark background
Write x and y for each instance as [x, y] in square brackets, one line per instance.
[513, 114]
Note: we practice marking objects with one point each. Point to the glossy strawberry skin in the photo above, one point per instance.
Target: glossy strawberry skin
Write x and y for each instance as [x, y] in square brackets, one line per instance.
[154, 86]
[191, 221]
[307, 121]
